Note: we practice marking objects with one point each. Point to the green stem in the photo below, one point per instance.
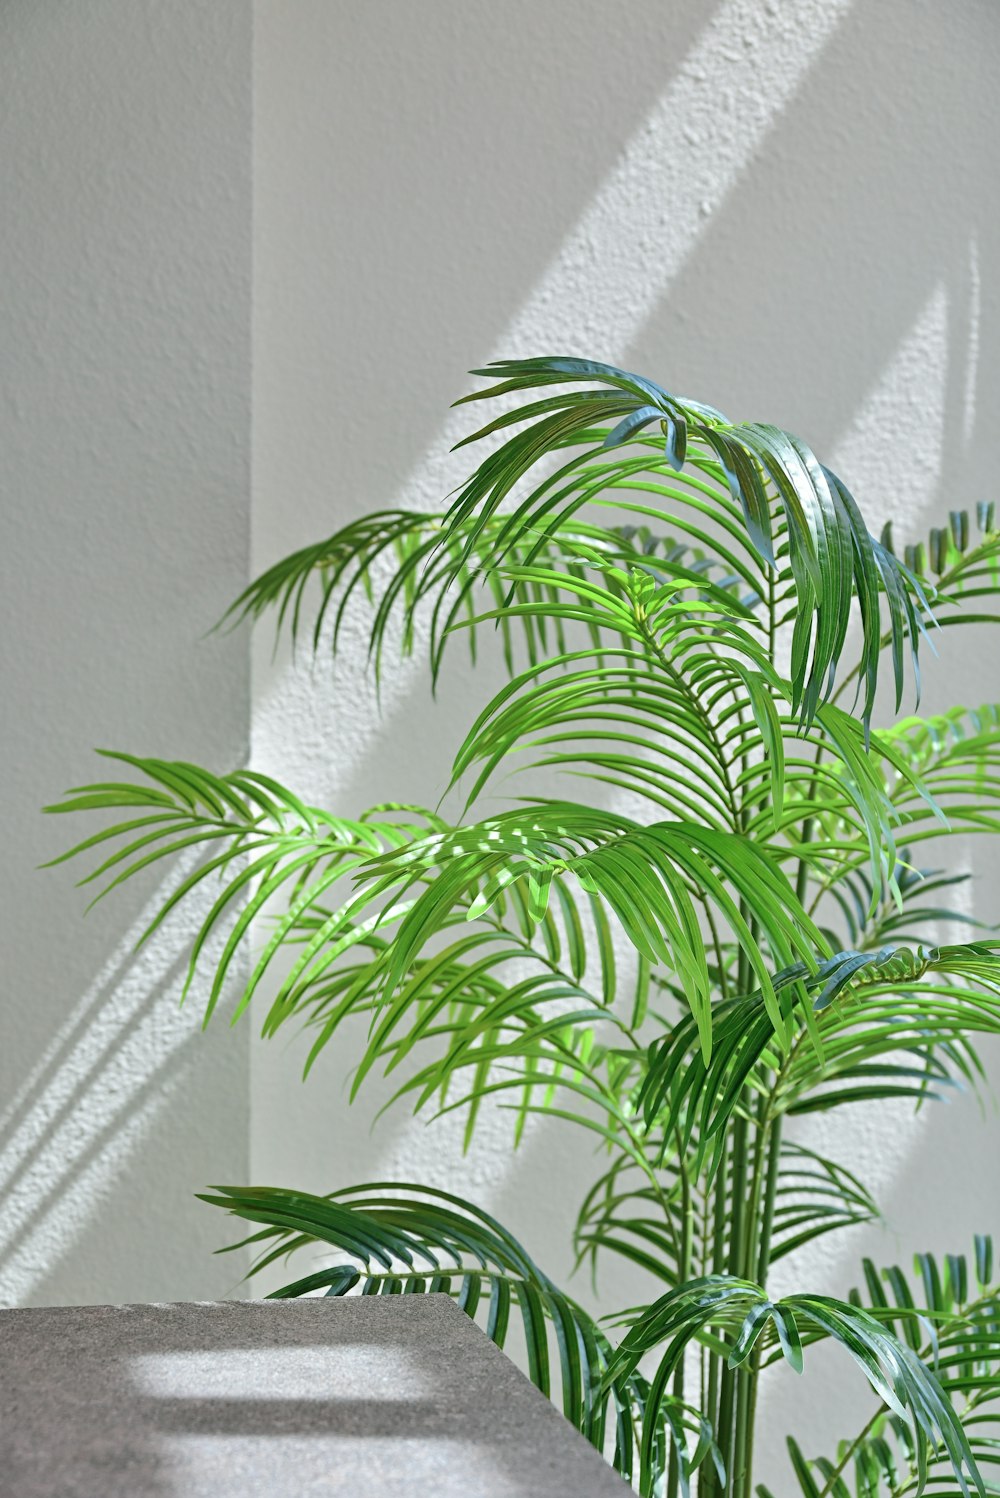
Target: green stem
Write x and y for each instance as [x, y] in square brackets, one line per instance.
[767, 1213]
[726, 1429]
[753, 1239]
[849, 1451]
[743, 1433]
[687, 1237]
[708, 1480]
[769, 1150]
[755, 1257]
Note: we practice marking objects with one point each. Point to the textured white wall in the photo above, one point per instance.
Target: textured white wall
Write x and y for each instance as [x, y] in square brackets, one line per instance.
[785, 209]
[124, 526]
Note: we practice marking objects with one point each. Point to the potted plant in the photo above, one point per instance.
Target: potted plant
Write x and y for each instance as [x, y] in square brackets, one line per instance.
[696, 623]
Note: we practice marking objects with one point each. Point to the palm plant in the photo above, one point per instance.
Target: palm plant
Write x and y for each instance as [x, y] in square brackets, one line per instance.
[731, 930]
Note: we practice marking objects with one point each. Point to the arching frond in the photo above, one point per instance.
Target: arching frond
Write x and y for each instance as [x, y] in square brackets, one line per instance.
[761, 470]
[255, 836]
[948, 1313]
[931, 777]
[903, 1025]
[404, 569]
[865, 1010]
[397, 1239]
[461, 1001]
[627, 1214]
[740, 1312]
[701, 728]
[814, 1196]
[603, 714]
[953, 567]
[957, 756]
[645, 876]
[393, 1237]
[872, 923]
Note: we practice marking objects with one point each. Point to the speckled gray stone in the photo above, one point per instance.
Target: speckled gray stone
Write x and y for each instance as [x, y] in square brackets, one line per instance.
[256, 1399]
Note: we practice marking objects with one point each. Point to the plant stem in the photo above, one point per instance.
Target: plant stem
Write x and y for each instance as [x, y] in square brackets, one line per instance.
[769, 1151]
[687, 1237]
[745, 1383]
[849, 1451]
[767, 1210]
[734, 1423]
[754, 1260]
[726, 1433]
[708, 1483]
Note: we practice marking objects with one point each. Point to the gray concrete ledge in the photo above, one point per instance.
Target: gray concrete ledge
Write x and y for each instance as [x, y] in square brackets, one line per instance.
[352, 1398]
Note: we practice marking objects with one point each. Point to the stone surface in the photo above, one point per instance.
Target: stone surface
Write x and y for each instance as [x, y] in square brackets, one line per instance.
[350, 1397]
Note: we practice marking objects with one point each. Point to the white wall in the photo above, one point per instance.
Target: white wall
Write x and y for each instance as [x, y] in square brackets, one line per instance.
[124, 526]
[784, 209]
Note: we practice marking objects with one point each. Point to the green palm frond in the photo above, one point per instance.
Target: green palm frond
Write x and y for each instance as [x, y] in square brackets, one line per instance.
[397, 1239]
[725, 1304]
[605, 716]
[815, 1196]
[253, 835]
[872, 923]
[459, 1000]
[864, 1011]
[903, 1027]
[930, 778]
[539, 1058]
[633, 717]
[645, 875]
[948, 1314]
[939, 774]
[740, 1312]
[760, 472]
[670, 623]
[637, 1218]
[952, 566]
[957, 757]
[400, 565]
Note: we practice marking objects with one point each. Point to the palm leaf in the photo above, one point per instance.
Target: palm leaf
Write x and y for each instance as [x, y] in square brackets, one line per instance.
[643, 874]
[952, 566]
[872, 923]
[257, 836]
[760, 468]
[741, 1312]
[815, 1196]
[866, 1008]
[948, 1313]
[392, 1239]
[398, 565]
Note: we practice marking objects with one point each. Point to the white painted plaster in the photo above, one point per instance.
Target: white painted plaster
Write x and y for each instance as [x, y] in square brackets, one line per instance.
[124, 521]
